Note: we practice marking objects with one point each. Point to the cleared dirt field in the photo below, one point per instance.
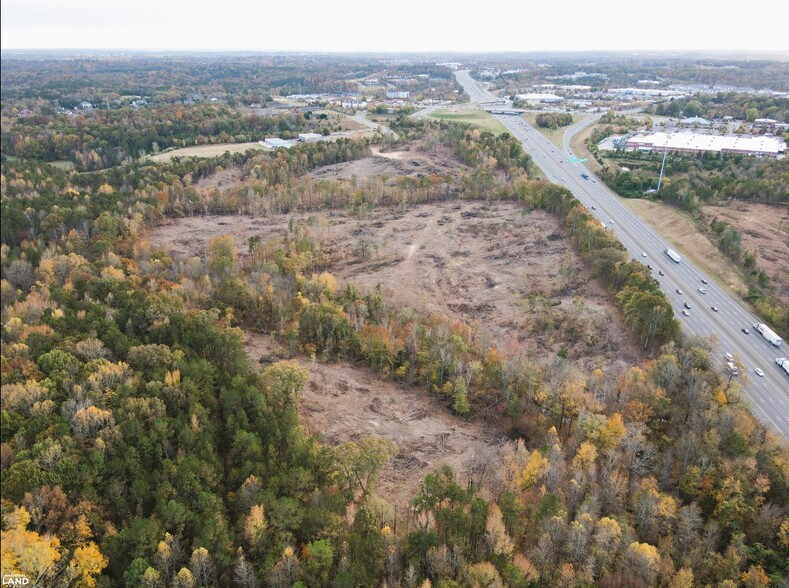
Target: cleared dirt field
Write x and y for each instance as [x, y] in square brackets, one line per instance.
[765, 231]
[511, 274]
[342, 403]
[411, 160]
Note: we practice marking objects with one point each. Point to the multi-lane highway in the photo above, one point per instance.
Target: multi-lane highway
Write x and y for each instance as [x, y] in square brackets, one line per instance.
[714, 312]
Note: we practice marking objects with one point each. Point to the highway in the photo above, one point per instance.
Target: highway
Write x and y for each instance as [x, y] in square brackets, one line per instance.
[768, 396]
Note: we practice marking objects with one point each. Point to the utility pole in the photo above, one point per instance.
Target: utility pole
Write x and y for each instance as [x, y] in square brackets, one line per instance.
[662, 165]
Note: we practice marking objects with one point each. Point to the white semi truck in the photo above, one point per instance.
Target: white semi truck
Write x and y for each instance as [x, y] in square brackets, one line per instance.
[783, 362]
[673, 255]
[768, 334]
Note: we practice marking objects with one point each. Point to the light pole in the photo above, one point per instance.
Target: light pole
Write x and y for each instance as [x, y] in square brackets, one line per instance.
[662, 165]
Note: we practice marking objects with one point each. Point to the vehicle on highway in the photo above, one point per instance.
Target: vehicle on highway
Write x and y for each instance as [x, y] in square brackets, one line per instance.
[703, 281]
[732, 368]
[685, 312]
[714, 308]
[673, 255]
[643, 254]
[594, 208]
[649, 266]
[585, 176]
[729, 357]
[746, 331]
[768, 334]
[702, 291]
[783, 362]
[679, 291]
[759, 372]
[687, 306]
[661, 272]
[612, 221]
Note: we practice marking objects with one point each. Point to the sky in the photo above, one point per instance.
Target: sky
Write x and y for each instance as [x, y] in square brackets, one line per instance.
[390, 25]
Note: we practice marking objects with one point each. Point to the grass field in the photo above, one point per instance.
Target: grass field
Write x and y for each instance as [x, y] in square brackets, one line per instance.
[63, 164]
[205, 151]
[477, 118]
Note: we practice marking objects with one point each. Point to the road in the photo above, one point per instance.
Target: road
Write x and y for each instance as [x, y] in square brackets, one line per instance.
[361, 118]
[768, 396]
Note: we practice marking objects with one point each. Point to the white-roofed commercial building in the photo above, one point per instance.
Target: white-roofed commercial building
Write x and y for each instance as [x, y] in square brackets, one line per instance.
[699, 143]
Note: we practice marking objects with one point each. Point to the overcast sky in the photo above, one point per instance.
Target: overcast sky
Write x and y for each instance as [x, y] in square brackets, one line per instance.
[392, 25]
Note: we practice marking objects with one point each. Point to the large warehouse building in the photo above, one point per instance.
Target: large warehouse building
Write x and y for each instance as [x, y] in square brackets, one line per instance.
[763, 146]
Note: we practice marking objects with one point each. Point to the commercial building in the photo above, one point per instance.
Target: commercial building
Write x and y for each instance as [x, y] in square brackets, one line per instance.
[544, 98]
[762, 146]
[274, 142]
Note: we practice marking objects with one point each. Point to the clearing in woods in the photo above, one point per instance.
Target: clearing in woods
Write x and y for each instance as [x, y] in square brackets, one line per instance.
[342, 403]
[510, 273]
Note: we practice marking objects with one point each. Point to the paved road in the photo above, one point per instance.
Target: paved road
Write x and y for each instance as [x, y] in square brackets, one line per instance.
[361, 118]
[768, 396]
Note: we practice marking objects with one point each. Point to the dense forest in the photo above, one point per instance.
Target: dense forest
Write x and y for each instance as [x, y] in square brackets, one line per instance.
[142, 447]
[107, 138]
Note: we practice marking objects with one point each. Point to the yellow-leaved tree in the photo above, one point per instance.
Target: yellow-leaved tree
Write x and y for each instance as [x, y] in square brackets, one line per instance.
[26, 552]
[534, 470]
[86, 563]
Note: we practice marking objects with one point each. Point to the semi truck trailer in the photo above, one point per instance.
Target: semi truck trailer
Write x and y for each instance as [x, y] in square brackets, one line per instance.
[768, 334]
[673, 255]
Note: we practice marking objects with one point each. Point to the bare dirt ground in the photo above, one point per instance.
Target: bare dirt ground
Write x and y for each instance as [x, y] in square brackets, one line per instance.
[410, 160]
[512, 275]
[221, 180]
[342, 403]
[765, 231]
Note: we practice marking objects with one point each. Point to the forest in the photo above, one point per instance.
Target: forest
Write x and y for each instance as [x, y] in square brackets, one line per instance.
[142, 447]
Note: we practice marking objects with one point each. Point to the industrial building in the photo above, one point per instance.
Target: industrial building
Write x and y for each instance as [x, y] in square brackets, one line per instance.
[762, 146]
[274, 142]
[544, 98]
